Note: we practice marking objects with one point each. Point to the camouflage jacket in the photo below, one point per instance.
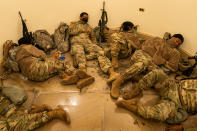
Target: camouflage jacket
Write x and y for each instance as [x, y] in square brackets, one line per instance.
[79, 31]
[162, 53]
[128, 40]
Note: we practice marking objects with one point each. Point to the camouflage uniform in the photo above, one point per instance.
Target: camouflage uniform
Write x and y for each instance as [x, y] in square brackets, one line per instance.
[174, 96]
[123, 44]
[163, 52]
[33, 64]
[155, 51]
[81, 44]
[140, 62]
[13, 118]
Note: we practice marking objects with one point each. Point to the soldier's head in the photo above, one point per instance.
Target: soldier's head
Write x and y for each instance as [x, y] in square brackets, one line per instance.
[127, 26]
[84, 17]
[178, 39]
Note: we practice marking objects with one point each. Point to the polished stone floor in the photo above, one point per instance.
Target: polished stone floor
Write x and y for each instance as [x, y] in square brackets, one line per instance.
[92, 109]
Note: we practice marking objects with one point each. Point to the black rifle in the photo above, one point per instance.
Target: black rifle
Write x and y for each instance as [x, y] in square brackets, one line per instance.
[102, 24]
[189, 71]
[27, 36]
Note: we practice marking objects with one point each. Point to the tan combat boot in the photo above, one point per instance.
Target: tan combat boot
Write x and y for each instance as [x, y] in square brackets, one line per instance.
[112, 77]
[115, 62]
[131, 94]
[37, 109]
[130, 105]
[73, 79]
[85, 82]
[115, 90]
[81, 73]
[59, 113]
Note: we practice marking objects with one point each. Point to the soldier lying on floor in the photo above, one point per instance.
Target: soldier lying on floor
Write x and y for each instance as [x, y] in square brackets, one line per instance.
[33, 64]
[177, 98]
[154, 52]
[14, 117]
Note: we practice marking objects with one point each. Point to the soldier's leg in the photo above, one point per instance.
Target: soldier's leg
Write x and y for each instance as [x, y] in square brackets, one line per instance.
[115, 49]
[42, 70]
[79, 55]
[149, 80]
[104, 62]
[140, 64]
[3, 124]
[160, 111]
[33, 121]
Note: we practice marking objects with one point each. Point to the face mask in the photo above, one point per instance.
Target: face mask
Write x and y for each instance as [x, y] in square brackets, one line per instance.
[85, 20]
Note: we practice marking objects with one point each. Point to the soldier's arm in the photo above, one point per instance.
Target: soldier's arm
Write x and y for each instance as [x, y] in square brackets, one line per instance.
[92, 36]
[173, 62]
[157, 57]
[38, 53]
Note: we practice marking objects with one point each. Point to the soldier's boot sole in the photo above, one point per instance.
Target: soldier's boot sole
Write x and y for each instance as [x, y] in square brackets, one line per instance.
[70, 80]
[85, 82]
[82, 74]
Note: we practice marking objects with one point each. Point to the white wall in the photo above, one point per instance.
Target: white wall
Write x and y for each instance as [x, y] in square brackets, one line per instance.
[175, 16]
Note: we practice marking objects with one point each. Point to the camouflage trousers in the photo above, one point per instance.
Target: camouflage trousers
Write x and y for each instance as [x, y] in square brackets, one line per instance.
[168, 90]
[161, 111]
[188, 95]
[140, 62]
[172, 101]
[116, 50]
[42, 70]
[78, 50]
[111, 51]
[23, 122]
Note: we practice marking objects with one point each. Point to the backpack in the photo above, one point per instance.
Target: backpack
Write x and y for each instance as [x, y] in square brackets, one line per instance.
[43, 39]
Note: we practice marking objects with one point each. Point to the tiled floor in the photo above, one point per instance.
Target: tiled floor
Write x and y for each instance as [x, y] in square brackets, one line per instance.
[92, 109]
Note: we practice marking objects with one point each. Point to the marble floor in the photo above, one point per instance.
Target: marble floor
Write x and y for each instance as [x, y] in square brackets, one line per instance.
[91, 109]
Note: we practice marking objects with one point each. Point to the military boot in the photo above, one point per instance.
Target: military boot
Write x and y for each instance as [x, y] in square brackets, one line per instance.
[130, 105]
[59, 113]
[115, 62]
[73, 79]
[85, 82]
[37, 109]
[81, 73]
[113, 76]
[115, 90]
[133, 93]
